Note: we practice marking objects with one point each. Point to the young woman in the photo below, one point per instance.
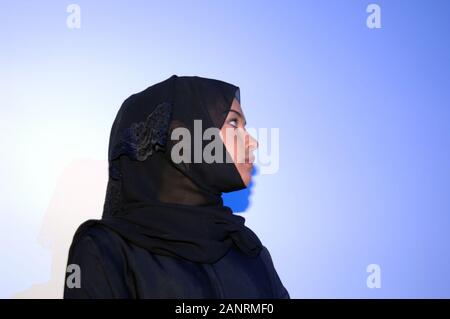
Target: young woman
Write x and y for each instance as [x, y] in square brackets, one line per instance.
[165, 232]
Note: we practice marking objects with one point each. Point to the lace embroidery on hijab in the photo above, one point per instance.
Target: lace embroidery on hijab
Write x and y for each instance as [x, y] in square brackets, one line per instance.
[138, 142]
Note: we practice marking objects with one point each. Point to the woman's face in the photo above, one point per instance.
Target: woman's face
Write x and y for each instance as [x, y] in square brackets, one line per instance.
[238, 142]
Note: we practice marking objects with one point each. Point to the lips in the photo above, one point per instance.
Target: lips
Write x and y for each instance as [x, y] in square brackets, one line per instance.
[250, 160]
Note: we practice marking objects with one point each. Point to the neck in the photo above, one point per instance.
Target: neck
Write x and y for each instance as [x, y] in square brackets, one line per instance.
[176, 188]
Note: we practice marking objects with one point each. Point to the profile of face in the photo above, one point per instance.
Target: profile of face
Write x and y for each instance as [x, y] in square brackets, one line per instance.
[238, 142]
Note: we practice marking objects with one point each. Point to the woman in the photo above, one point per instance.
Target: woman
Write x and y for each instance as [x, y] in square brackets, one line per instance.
[165, 232]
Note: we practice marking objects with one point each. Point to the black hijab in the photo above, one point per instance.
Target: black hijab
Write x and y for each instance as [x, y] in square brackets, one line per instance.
[167, 208]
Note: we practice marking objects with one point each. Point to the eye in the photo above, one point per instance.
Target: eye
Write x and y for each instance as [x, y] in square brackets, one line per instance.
[233, 122]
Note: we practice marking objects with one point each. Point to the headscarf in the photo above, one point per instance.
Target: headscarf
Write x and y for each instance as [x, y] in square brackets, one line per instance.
[168, 208]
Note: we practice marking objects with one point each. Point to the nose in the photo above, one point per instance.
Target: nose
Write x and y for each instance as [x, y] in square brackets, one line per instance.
[252, 142]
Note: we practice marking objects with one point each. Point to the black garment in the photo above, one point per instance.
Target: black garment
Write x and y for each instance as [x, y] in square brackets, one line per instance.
[113, 268]
[165, 222]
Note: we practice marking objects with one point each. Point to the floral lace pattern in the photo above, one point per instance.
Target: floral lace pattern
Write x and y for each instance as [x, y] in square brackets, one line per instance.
[141, 139]
[138, 142]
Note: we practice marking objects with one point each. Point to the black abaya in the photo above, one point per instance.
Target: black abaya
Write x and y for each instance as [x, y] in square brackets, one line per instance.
[113, 268]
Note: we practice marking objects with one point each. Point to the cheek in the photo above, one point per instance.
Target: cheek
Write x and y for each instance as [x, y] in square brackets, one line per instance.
[240, 146]
[234, 143]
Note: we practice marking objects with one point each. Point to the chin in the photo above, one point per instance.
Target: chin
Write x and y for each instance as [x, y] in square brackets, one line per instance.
[246, 178]
[246, 173]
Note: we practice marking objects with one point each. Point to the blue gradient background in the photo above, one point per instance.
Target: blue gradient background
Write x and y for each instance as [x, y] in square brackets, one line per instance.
[363, 114]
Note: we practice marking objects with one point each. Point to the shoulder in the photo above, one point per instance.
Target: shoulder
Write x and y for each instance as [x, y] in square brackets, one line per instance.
[99, 258]
[278, 288]
[266, 257]
[96, 230]
[94, 240]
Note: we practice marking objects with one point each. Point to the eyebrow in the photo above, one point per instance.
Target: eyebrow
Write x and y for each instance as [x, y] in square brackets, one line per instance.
[245, 122]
